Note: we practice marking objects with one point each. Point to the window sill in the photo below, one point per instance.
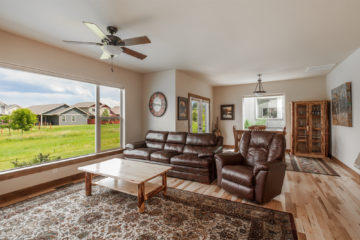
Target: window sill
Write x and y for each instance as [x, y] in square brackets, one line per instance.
[9, 174]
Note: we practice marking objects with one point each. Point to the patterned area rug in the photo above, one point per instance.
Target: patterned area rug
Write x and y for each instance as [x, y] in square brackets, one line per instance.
[68, 214]
[309, 165]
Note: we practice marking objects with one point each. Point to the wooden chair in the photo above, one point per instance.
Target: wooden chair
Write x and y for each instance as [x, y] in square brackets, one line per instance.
[257, 128]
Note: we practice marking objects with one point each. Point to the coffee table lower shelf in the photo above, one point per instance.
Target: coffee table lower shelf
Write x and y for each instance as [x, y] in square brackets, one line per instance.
[126, 187]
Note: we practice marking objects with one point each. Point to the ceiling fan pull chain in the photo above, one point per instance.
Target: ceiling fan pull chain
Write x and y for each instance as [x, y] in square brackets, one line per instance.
[112, 63]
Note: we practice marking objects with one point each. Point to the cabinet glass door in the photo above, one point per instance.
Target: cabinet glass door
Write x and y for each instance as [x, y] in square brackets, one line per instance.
[316, 131]
[301, 128]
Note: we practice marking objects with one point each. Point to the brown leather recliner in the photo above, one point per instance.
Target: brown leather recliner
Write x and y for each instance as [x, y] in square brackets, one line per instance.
[257, 171]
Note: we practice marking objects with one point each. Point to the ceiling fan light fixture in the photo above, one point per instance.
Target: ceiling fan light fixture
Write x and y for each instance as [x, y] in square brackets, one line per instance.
[112, 50]
[259, 89]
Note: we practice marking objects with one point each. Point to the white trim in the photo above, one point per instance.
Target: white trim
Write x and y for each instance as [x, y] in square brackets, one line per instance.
[97, 120]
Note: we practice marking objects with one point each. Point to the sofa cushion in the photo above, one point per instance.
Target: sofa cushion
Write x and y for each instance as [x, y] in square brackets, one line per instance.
[176, 137]
[156, 136]
[140, 153]
[198, 149]
[201, 139]
[155, 145]
[163, 156]
[240, 174]
[174, 147]
[190, 160]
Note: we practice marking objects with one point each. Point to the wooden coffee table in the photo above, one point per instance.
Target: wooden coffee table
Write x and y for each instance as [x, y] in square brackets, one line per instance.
[127, 176]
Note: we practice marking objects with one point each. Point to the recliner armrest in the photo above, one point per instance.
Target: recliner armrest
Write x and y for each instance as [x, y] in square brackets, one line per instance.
[268, 166]
[134, 145]
[228, 158]
[223, 159]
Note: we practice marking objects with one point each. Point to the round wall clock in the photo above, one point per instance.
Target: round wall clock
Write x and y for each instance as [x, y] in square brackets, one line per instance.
[157, 104]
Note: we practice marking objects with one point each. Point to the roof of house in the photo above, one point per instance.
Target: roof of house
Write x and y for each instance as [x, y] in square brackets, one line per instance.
[13, 106]
[61, 111]
[116, 109]
[40, 109]
[84, 104]
[2, 103]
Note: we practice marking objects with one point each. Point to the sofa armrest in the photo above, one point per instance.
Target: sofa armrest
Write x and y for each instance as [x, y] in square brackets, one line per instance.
[205, 154]
[217, 150]
[134, 145]
[223, 159]
[268, 166]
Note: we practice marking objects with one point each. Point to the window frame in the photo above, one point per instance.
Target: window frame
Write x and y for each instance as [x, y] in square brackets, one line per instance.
[23, 171]
[73, 118]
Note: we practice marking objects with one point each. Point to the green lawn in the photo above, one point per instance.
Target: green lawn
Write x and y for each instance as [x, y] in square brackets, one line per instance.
[59, 141]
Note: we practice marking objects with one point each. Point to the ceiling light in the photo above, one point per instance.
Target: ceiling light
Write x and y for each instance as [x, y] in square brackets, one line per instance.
[259, 90]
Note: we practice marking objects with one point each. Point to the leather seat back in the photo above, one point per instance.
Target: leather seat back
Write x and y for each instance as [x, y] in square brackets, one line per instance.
[156, 139]
[259, 147]
[200, 142]
[175, 141]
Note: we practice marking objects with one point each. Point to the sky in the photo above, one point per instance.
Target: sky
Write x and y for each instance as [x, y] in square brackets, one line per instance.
[27, 89]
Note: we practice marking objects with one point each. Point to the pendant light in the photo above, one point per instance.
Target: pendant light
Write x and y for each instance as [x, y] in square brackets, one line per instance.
[259, 90]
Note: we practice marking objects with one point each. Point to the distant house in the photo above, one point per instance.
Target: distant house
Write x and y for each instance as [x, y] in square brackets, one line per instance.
[3, 108]
[6, 109]
[11, 108]
[116, 110]
[59, 114]
[89, 107]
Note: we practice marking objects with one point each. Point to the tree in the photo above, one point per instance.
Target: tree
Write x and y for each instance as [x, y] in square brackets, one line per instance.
[105, 113]
[5, 122]
[22, 119]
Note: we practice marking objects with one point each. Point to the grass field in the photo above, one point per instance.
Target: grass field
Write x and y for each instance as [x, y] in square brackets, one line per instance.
[59, 141]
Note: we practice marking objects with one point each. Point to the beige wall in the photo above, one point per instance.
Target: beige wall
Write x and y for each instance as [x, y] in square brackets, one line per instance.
[186, 84]
[172, 83]
[160, 82]
[26, 54]
[345, 140]
[294, 90]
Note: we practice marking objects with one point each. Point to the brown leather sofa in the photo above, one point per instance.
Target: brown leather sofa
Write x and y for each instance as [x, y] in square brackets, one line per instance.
[191, 155]
[257, 171]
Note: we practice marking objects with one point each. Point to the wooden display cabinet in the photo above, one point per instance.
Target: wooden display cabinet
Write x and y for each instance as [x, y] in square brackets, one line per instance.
[310, 129]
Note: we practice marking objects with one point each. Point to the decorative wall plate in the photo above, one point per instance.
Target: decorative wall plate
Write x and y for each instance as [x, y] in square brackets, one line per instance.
[157, 104]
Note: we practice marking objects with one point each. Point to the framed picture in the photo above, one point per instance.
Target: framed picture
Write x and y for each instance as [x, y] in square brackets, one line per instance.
[227, 112]
[341, 105]
[182, 108]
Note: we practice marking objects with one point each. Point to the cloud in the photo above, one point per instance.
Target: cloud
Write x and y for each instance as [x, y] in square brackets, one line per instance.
[26, 89]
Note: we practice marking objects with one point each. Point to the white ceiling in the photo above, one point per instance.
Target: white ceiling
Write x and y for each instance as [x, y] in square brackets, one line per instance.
[224, 41]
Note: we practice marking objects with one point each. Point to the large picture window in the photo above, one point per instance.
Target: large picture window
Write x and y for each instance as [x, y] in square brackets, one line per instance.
[45, 118]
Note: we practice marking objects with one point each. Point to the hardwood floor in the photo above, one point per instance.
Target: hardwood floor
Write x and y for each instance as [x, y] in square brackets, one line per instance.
[324, 207]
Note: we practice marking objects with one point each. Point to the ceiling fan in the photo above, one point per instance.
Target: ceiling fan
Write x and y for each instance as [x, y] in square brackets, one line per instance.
[112, 45]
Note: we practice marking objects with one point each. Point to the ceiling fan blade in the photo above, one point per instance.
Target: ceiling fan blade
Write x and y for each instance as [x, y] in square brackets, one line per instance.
[105, 56]
[87, 43]
[133, 53]
[136, 41]
[93, 27]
